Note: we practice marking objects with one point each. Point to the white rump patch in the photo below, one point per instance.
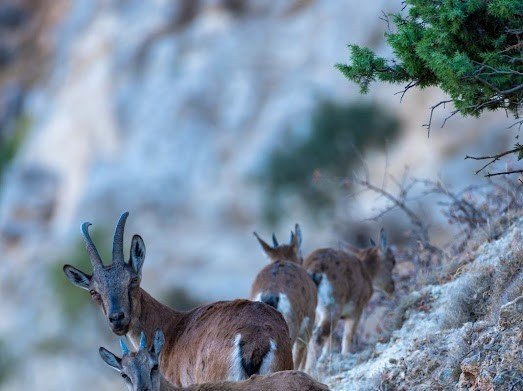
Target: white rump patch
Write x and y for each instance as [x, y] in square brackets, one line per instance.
[325, 299]
[268, 360]
[285, 307]
[236, 372]
[257, 297]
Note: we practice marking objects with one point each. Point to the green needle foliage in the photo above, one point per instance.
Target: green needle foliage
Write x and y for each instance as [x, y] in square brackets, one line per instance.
[471, 49]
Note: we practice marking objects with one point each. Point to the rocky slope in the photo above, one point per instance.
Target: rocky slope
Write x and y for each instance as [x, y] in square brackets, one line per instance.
[464, 333]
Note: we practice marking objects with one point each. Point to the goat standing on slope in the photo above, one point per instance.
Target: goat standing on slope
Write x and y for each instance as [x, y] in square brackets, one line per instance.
[226, 340]
[285, 285]
[141, 373]
[345, 285]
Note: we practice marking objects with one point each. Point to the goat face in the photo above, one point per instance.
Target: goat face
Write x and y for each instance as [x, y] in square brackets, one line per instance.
[139, 369]
[114, 287]
[382, 259]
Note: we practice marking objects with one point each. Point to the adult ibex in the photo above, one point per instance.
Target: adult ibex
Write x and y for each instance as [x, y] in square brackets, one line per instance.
[345, 285]
[226, 340]
[285, 285]
[141, 372]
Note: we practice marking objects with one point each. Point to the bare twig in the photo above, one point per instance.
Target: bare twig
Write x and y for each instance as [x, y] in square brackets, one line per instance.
[410, 85]
[432, 108]
[495, 158]
[504, 173]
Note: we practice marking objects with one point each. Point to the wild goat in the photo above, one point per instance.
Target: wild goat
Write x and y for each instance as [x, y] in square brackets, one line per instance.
[345, 285]
[226, 340]
[285, 285]
[141, 373]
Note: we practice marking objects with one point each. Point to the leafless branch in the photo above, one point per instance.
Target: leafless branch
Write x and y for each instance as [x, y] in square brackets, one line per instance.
[410, 85]
[489, 175]
[432, 108]
[494, 158]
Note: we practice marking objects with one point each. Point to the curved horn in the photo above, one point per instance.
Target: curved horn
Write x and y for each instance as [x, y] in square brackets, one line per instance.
[143, 341]
[95, 258]
[118, 239]
[274, 240]
[125, 349]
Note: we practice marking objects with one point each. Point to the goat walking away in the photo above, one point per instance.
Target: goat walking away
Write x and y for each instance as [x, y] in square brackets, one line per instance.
[226, 340]
[285, 285]
[346, 283]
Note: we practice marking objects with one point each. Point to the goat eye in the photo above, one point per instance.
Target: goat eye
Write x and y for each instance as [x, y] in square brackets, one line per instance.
[93, 293]
[125, 377]
[155, 367]
[134, 281]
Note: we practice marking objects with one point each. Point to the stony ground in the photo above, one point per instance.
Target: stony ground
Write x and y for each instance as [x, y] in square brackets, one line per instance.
[463, 333]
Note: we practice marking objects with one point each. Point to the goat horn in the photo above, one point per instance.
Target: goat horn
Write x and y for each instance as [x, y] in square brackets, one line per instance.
[274, 240]
[96, 261]
[143, 341]
[125, 349]
[118, 239]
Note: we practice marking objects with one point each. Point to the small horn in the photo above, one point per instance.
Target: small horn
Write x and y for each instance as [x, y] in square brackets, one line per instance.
[95, 258]
[125, 349]
[143, 341]
[297, 231]
[118, 239]
[292, 238]
[383, 239]
[274, 240]
[372, 242]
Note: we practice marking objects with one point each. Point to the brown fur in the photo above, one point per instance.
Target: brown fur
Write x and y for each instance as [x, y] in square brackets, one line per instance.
[284, 252]
[293, 281]
[227, 340]
[200, 343]
[352, 278]
[140, 370]
[279, 381]
[286, 280]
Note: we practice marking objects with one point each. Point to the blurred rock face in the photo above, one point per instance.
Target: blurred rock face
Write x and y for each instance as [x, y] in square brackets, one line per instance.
[165, 109]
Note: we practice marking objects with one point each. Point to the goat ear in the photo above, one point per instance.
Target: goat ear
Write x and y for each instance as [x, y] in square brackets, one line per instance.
[137, 253]
[268, 249]
[297, 236]
[76, 277]
[159, 340]
[383, 239]
[110, 359]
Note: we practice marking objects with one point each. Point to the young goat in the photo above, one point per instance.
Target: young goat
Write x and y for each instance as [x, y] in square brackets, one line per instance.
[345, 285]
[285, 285]
[141, 373]
[226, 340]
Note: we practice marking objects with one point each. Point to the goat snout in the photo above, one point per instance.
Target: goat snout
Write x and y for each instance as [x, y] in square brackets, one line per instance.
[116, 317]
